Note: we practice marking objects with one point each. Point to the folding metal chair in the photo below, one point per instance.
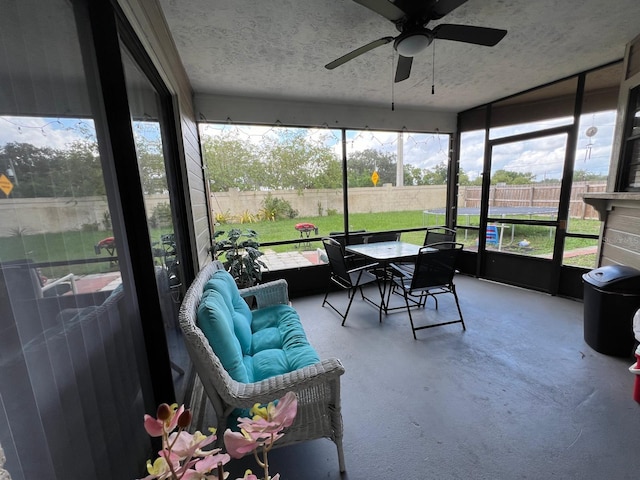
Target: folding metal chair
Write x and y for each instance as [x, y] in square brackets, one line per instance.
[349, 278]
[432, 275]
[434, 235]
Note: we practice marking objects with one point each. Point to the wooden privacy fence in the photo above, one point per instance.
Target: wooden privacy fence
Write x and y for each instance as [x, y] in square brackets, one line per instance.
[534, 196]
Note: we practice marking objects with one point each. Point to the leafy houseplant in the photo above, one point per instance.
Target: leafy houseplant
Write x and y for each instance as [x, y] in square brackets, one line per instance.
[241, 255]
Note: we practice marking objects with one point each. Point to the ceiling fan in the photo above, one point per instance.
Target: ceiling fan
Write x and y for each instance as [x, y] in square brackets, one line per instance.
[411, 18]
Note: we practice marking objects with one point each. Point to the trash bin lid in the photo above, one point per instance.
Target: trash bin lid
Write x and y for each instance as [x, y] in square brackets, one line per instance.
[614, 278]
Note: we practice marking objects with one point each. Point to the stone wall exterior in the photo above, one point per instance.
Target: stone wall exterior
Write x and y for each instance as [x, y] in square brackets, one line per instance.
[49, 215]
[311, 203]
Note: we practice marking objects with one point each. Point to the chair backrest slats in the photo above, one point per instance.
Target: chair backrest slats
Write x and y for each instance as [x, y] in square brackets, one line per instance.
[382, 237]
[356, 237]
[438, 235]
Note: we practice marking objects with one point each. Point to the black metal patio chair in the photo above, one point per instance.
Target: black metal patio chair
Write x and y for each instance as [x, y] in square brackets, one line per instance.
[348, 277]
[433, 235]
[432, 275]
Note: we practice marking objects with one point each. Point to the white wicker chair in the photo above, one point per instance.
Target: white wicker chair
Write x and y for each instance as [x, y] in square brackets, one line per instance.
[317, 386]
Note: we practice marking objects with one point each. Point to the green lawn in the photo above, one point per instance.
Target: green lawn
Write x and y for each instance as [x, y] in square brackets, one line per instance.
[66, 246]
[80, 244]
[539, 238]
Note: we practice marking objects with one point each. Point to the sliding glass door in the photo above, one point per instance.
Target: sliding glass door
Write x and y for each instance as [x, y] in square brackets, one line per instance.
[150, 127]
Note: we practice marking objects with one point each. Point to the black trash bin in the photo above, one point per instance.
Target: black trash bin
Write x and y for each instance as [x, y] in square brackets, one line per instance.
[611, 298]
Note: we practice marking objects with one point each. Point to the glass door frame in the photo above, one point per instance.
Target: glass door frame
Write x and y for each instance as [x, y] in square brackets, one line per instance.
[109, 26]
[528, 272]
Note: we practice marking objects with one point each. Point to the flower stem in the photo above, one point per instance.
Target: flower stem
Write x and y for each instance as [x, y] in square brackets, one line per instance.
[266, 463]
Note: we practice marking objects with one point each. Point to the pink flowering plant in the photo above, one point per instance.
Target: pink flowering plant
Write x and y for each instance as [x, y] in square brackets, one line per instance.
[183, 457]
[261, 431]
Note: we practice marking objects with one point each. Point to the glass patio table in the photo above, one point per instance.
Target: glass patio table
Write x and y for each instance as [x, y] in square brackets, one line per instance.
[385, 253]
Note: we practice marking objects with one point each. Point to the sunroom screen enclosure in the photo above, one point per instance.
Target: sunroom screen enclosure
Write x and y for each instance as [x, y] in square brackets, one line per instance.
[289, 183]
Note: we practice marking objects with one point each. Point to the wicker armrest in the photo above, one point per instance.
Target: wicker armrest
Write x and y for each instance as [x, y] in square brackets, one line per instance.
[270, 293]
[247, 394]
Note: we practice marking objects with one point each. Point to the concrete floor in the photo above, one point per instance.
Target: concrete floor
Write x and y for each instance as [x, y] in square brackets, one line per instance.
[519, 395]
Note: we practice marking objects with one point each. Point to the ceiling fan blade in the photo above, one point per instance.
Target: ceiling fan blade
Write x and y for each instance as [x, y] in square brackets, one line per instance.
[442, 7]
[383, 7]
[357, 52]
[403, 69]
[469, 34]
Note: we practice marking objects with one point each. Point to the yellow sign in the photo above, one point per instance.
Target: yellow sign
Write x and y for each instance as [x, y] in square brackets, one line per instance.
[375, 177]
[5, 184]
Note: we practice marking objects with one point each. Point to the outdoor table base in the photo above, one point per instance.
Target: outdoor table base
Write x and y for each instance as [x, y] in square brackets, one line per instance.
[385, 253]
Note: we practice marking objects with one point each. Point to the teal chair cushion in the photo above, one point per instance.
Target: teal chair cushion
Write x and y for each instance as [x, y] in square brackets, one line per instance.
[252, 346]
[279, 344]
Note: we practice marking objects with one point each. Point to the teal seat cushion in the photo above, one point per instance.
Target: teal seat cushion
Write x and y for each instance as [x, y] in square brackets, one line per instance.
[279, 344]
[251, 345]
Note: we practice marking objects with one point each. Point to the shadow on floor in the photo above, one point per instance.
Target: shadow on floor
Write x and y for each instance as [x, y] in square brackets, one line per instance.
[518, 395]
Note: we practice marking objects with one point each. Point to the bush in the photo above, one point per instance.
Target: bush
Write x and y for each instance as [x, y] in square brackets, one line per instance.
[246, 217]
[90, 227]
[223, 217]
[161, 216]
[106, 220]
[19, 232]
[275, 208]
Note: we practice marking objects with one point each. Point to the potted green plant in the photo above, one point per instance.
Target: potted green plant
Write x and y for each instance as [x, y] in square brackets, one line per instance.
[241, 255]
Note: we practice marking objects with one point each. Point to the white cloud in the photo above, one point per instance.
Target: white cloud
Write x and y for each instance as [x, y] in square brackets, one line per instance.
[543, 156]
[56, 133]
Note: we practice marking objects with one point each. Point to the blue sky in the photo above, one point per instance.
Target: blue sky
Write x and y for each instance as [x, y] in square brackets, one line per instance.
[542, 157]
[55, 133]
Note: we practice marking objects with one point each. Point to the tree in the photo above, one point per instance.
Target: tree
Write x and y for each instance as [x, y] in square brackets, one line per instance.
[231, 164]
[47, 172]
[586, 176]
[512, 178]
[153, 174]
[77, 172]
[361, 165]
[32, 168]
[412, 175]
[294, 161]
[436, 175]
[463, 178]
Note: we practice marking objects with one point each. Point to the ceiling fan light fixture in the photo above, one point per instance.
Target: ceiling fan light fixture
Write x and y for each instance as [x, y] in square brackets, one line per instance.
[413, 43]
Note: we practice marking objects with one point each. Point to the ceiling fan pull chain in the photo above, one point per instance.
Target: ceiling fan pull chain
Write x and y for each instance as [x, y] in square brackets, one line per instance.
[393, 105]
[433, 70]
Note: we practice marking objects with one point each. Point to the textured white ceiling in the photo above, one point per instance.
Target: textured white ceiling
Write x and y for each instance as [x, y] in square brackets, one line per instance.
[278, 49]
